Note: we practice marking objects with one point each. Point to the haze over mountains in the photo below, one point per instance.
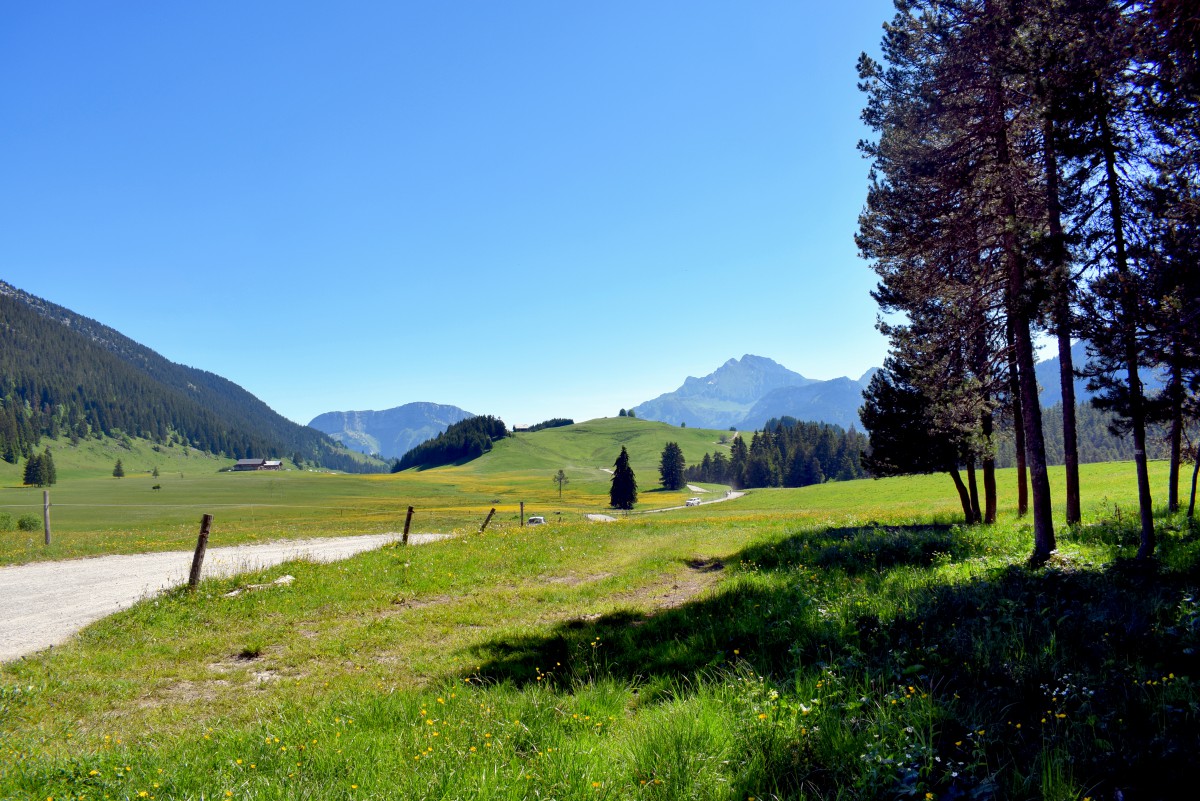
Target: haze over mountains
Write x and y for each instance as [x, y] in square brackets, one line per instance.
[745, 393]
[77, 377]
[390, 433]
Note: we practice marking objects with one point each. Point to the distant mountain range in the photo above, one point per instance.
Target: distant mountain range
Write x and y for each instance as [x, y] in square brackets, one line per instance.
[390, 433]
[745, 393]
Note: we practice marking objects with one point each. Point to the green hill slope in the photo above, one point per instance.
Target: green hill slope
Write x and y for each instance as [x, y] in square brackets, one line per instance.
[64, 375]
[587, 450]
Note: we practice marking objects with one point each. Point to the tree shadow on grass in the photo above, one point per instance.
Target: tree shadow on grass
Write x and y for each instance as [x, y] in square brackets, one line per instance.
[1013, 644]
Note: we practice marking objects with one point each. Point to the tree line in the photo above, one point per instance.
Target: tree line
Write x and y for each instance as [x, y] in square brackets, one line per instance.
[785, 453]
[64, 376]
[1034, 169]
[553, 422]
[462, 441]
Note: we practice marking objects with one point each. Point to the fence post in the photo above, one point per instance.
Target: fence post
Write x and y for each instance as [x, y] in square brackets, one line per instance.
[407, 523]
[201, 547]
[46, 513]
[522, 514]
[487, 520]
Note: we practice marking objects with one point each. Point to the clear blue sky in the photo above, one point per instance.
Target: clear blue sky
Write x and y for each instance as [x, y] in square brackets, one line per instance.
[527, 209]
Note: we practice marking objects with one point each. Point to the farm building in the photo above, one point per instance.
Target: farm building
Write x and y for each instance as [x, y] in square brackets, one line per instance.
[258, 464]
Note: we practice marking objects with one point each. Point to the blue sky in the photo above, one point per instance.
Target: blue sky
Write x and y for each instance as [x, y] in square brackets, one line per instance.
[527, 209]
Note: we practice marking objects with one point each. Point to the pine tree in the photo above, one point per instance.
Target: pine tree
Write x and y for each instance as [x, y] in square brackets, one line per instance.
[34, 471]
[118, 470]
[623, 492]
[738, 454]
[48, 469]
[671, 467]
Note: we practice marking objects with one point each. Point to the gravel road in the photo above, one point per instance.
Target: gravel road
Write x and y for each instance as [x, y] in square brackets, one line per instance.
[45, 603]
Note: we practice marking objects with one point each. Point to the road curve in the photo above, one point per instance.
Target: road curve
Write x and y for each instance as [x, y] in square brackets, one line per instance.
[45, 603]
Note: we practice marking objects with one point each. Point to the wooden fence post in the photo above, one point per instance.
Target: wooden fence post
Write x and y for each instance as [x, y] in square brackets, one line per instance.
[407, 523]
[46, 513]
[487, 520]
[201, 547]
[522, 514]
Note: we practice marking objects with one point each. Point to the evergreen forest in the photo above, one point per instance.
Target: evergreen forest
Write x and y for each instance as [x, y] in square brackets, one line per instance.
[786, 453]
[461, 442]
[63, 375]
[1035, 171]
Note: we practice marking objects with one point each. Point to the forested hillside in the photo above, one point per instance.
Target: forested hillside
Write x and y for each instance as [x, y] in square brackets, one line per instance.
[786, 453]
[65, 375]
[468, 439]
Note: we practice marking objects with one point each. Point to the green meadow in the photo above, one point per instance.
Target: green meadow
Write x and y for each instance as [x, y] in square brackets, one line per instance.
[847, 640]
[94, 513]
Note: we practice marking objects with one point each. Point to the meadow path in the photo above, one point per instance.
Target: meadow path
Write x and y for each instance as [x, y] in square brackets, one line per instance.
[45, 603]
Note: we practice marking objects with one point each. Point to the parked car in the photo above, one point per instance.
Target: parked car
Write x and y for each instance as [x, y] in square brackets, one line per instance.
[536, 520]
[693, 501]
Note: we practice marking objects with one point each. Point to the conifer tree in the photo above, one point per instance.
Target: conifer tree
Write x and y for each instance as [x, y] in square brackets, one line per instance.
[34, 472]
[623, 492]
[671, 467]
[118, 470]
[48, 469]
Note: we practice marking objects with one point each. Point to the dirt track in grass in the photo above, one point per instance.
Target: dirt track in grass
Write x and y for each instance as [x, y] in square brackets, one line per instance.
[45, 603]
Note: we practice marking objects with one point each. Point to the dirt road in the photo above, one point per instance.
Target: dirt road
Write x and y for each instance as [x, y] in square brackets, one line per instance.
[44, 603]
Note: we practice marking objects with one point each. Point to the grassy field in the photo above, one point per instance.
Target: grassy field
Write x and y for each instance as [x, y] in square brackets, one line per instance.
[93, 513]
[838, 641]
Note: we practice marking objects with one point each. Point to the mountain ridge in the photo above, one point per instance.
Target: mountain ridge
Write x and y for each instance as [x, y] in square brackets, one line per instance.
[80, 376]
[390, 433]
[745, 393]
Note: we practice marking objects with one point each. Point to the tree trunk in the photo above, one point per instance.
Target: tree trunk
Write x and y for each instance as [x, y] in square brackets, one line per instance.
[1020, 314]
[989, 473]
[1195, 475]
[1062, 320]
[1128, 325]
[973, 489]
[1176, 394]
[964, 497]
[1014, 395]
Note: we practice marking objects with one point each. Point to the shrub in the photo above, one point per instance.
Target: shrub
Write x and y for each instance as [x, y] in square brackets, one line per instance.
[6, 522]
[29, 523]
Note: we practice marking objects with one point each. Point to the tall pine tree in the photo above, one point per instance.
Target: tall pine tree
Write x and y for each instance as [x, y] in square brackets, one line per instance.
[623, 492]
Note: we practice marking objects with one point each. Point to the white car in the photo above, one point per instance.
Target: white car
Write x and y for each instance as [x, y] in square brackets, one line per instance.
[693, 501]
[536, 520]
